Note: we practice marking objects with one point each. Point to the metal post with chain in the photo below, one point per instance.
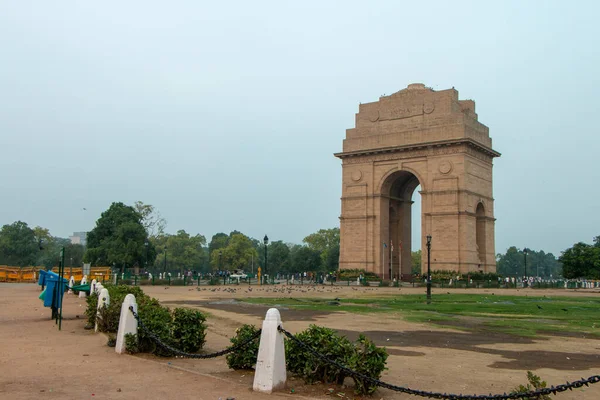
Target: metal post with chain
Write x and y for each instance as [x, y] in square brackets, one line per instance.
[180, 353]
[435, 395]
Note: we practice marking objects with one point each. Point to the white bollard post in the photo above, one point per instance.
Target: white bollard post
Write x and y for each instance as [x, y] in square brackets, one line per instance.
[93, 286]
[103, 299]
[270, 371]
[127, 322]
[71, 284]
[99, 288]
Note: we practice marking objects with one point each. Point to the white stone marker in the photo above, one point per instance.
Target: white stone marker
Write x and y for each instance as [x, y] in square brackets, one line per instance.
[99, 288]
[71, 284]
[93, 286]
[270, 364]
[103, 299]
[127, 322]
[84, 280]
[358, 281]
[149, 276]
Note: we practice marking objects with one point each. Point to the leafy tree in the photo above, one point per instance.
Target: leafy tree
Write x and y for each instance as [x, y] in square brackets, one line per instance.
[278, 257]
[305, 259]
[416, 262]
[332, 263]
[74, 255]
[119, 238]
[325, 241]
[184, 252]
[512, 263]
[238, 253]
[50, 246]
[581, 261]
[152, 221]
[18, 245]
[218, 241]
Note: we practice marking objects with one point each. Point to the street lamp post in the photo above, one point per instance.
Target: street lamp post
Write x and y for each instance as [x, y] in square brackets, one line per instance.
[165, 268]
[146, 258]
[428, 269]
[71, 268]
[266, 242]
[525, 251]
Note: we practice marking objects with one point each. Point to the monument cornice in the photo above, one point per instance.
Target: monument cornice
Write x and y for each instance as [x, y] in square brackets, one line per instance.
[416, 147]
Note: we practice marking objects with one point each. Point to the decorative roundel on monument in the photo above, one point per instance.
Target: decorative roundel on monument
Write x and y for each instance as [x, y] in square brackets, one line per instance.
[374, 116]
[428, 107]
[356, 176]
[445, 167]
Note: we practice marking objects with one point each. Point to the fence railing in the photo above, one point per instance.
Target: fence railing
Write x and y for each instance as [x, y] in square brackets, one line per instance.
[268, 350]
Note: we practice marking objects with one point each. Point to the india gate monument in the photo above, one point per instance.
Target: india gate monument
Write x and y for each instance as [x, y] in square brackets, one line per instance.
[414, 137]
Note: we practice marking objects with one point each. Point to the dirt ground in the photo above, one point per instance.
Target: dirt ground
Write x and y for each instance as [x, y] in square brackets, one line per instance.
[38, 361]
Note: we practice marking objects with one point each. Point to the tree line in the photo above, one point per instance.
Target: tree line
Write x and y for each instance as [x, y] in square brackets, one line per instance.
[126, 236]
[134, 236]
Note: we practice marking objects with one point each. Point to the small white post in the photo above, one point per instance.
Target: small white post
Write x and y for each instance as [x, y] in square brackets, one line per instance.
[103, 299]
[93, 286]
[127, 322]
[99, 288]
[71, 284]
[270, 371]
[84, 280]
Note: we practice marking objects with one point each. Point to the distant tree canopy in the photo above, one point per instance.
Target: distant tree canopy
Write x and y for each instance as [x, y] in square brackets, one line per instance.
[582, 260]
[327, 243]
[539, 263]
[183, 252]
[19, 245]
[119, 238]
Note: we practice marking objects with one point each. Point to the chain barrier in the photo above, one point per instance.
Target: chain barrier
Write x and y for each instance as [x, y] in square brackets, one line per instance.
[178, 352]
[533, 394]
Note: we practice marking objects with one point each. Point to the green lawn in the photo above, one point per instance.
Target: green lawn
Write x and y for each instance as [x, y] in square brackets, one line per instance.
[519, 315]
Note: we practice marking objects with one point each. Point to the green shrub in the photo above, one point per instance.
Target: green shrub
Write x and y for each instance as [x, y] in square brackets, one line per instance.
[91, 309]
[189, 329]
[183, 329]
[384, 283]
[214, 281]
[131, 343]
[327, 342]
[396, 283]
[244, 358]
[361, 356]
[369, 360]
[535, 382]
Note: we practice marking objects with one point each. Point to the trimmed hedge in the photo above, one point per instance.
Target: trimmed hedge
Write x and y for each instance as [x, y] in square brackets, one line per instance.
[182, 328]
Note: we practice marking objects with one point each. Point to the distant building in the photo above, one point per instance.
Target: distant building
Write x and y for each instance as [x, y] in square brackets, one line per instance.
[79, 238]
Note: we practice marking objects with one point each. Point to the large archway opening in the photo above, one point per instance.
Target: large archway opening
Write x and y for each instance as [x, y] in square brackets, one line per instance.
[398, 230]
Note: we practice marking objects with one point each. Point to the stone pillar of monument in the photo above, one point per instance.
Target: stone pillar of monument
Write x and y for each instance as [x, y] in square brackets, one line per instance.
[414, 137]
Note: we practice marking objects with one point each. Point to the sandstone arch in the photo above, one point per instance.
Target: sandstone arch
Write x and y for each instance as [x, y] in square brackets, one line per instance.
[417, 136]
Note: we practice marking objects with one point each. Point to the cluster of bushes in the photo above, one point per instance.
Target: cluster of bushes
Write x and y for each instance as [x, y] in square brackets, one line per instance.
[475, 275]
[182, 328]
[352, 274]
[362, 356]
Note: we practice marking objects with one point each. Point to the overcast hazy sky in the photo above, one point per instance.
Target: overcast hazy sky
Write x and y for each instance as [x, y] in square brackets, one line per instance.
[226, 115]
